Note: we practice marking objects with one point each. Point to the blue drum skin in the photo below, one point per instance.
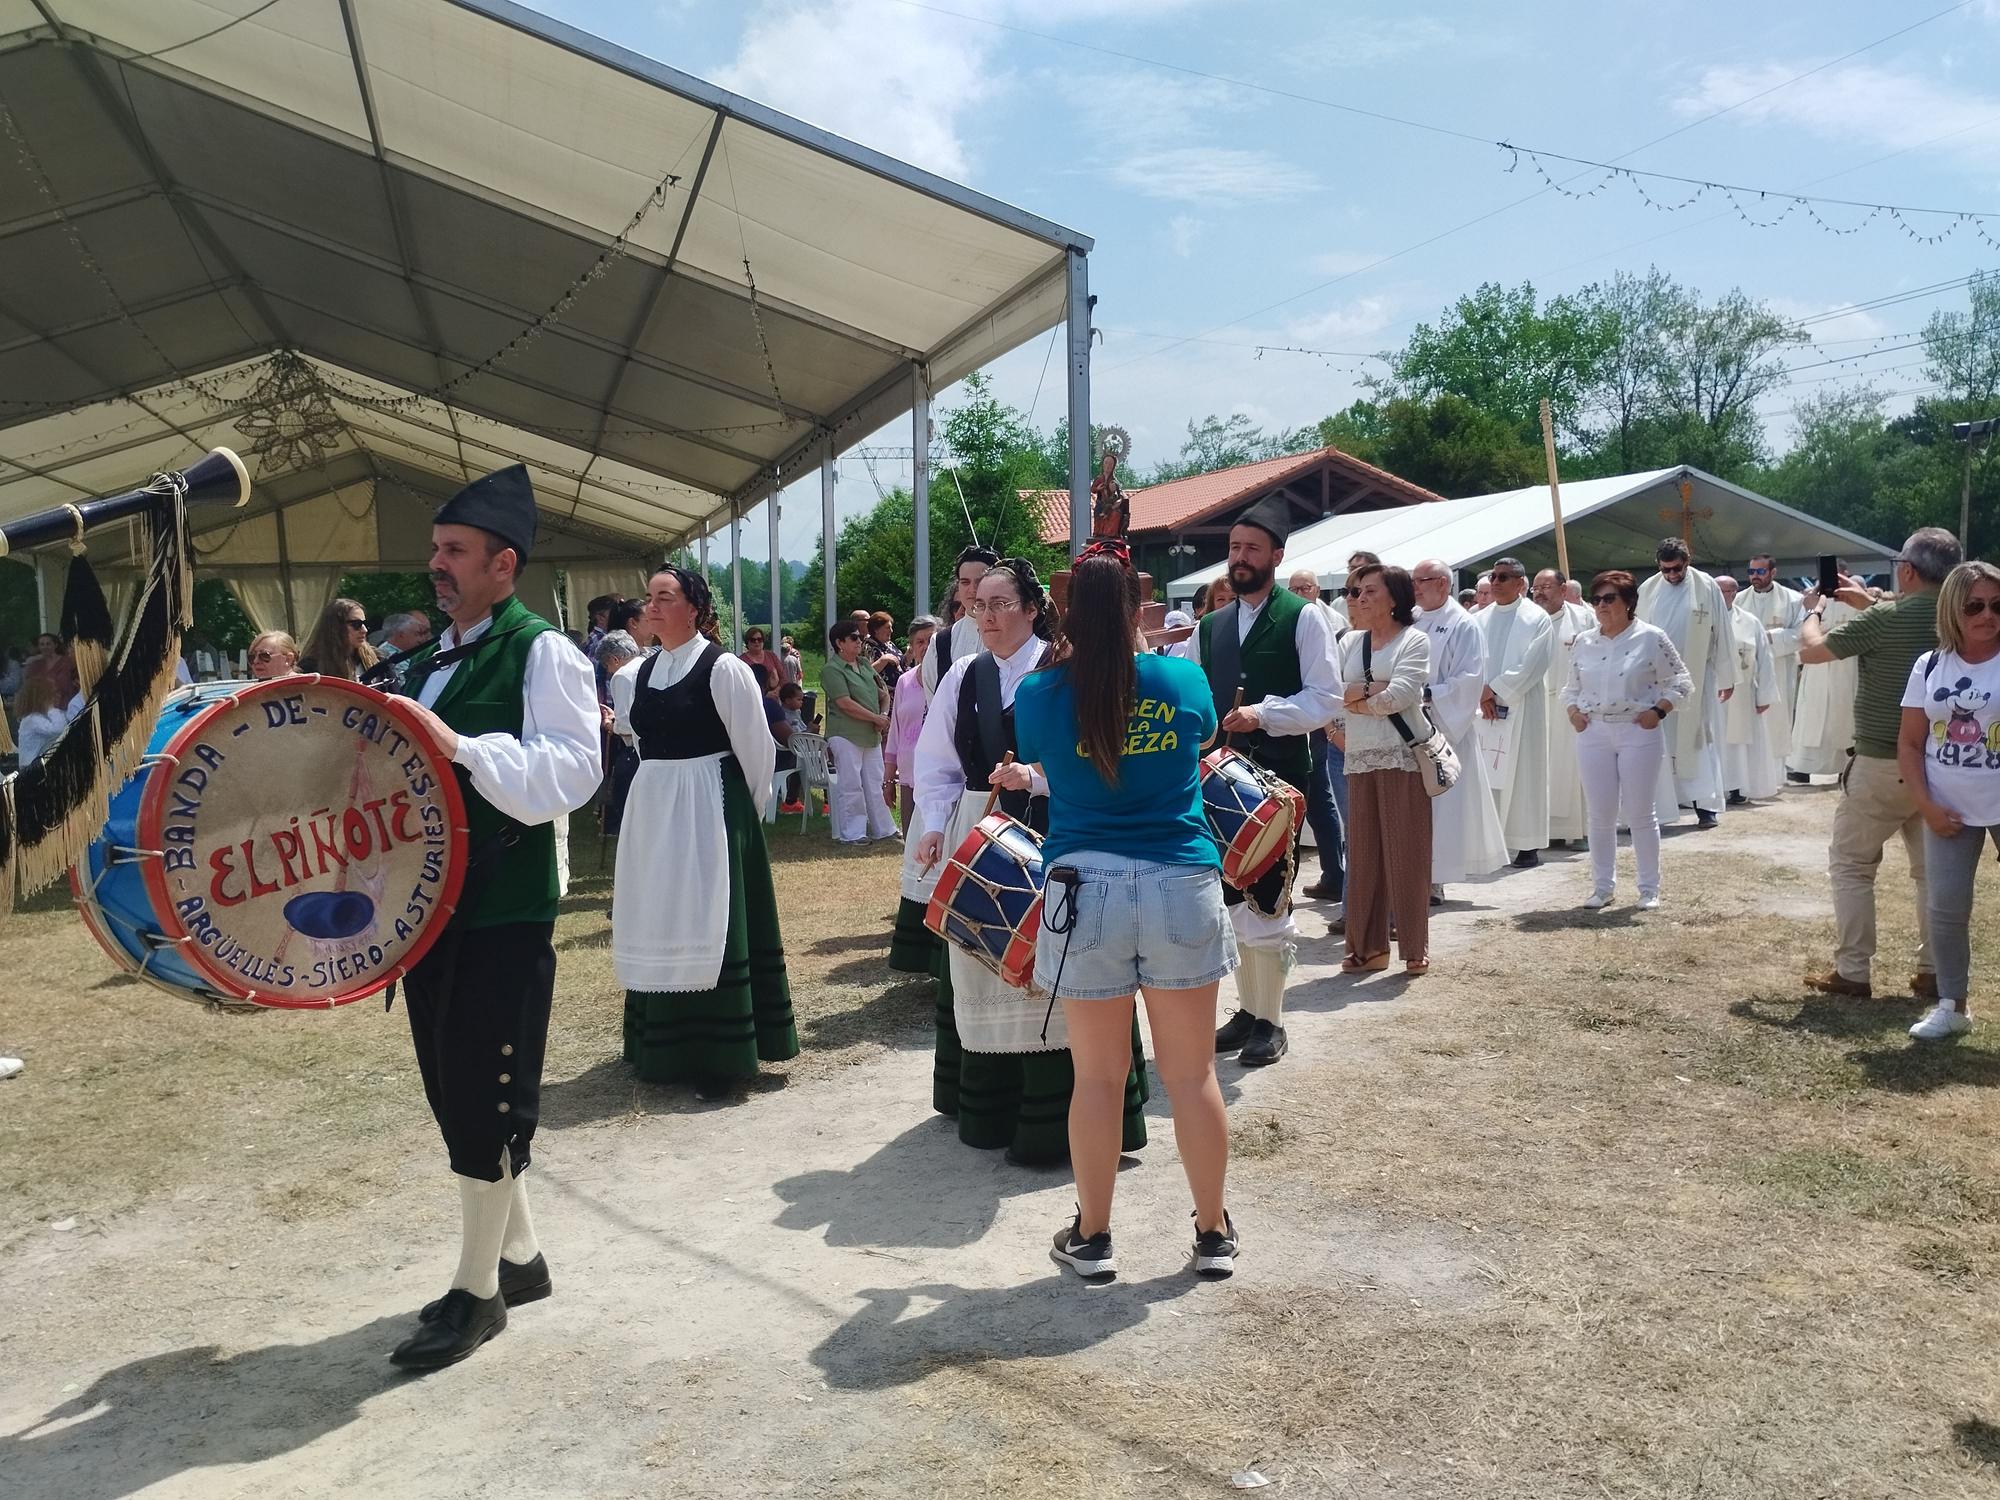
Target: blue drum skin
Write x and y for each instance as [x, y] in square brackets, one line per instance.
[123, 919]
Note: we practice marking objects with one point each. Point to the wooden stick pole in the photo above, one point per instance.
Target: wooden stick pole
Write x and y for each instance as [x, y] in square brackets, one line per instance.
[993, 796]
[1555, 489]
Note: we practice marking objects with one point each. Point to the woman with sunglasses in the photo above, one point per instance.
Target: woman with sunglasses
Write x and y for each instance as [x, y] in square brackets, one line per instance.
[1624, 680]
[339, 645]
[1949, 755]
[273, 654]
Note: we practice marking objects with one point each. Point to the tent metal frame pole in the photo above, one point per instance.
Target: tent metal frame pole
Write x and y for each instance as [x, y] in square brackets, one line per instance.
[704, 557]
[1078, 317]
[777, 570]
[736, 572]
[827, 527]
[920, 486]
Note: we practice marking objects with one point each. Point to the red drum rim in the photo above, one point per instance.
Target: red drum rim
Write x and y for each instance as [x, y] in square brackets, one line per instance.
[152, 824]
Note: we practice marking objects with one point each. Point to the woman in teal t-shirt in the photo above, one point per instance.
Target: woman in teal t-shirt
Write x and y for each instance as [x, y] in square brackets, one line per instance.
[1119, 734]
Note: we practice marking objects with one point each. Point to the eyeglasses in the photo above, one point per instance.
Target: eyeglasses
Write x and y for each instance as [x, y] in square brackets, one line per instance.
[1760, 572]
[993, 606]
[269, 655]
[357, 624]
[1600, 600]
[1353, 592]
[1975, 607]
[1673, 570]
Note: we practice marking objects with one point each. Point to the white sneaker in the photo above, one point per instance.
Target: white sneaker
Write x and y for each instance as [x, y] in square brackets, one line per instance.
[1939, 1022]
[1597, 901]
[9, 1066]
[1649, 902]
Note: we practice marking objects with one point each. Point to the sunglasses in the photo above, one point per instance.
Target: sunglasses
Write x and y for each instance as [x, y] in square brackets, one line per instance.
[268, 655]
[1352, 593]
[1975, 607]
[357, 624]
[1760, 572]
[1673, 570]
[1600, 600]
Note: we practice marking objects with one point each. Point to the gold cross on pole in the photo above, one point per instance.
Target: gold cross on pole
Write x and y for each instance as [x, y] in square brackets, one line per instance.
[1688, 514]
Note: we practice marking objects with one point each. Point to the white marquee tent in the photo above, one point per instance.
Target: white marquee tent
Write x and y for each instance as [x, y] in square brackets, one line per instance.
[380, 246]
[1609, 523]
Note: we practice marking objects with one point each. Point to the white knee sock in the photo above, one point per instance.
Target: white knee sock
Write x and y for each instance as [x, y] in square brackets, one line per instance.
[1260, 981]
[519, 1245]
[483, 1207]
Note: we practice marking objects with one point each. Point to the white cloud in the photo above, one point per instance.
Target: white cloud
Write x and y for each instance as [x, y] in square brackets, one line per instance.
[1183, 230]
[1365, 43]
[902, 80]
[1877, 106]
[1200, 174]
[1342, 262]
[1350, 325]
[1835, 323]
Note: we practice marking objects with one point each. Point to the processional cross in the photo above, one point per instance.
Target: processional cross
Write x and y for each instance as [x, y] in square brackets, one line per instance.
[1688, 514]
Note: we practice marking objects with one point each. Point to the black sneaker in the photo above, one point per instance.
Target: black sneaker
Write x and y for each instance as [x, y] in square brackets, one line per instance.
[1092, 1258]
[1215, 1250]
[1234, 1032]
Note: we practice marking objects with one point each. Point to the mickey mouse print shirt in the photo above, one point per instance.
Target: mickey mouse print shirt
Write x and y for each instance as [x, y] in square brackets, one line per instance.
[1962, 749]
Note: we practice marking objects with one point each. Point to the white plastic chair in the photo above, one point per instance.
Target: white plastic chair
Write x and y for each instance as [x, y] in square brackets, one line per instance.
[813, 771]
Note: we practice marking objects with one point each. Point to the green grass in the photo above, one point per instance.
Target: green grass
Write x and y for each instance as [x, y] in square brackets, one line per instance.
[1835, 1180]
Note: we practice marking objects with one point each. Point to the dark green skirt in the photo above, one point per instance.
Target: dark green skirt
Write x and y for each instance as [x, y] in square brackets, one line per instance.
[1019, 1100]
[723, 1032]
[912, 945]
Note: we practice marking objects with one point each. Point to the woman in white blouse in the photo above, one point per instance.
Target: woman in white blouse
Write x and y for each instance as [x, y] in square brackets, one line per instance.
[1384, 664]
[1624, 679]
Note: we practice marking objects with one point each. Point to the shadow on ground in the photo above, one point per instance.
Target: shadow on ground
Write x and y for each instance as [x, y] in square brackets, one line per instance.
[149, 1421]
[881, 1347]
[610, 1089]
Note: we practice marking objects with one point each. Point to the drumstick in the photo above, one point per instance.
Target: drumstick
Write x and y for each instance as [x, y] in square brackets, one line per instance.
[1218, 723]
[993, 796]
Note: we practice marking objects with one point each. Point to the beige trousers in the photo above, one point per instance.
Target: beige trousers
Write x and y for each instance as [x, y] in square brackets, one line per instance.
[1875, 808]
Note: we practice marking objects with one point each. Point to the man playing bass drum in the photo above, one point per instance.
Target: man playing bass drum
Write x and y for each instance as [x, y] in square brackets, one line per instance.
[512, 704]
[1278, 653]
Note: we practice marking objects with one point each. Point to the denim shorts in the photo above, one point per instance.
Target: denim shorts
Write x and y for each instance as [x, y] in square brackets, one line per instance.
[1139, 925]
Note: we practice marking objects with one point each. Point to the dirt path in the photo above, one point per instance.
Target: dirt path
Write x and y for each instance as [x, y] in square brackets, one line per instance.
[818, 1292]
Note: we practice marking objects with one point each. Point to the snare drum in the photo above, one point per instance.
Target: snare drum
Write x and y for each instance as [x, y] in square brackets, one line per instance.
[988, 899]
[296, 843]
[1252, 813]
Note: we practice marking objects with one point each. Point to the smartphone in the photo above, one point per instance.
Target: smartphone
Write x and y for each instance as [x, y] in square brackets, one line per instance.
[1829, 576]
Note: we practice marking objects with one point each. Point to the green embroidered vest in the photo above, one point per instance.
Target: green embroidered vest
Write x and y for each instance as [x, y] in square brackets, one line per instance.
[484, 696]
[1267, 666]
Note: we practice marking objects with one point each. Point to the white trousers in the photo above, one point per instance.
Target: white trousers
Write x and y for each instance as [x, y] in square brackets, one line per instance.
[1620, 767]
[858, 809]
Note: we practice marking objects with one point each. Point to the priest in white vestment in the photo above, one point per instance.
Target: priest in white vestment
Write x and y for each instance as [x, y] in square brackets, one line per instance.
[1568, 818]
[1752, 765]
[1684, 602]
[1513, 722]
[1779, 610]
[1465, 828]
[1823, 726]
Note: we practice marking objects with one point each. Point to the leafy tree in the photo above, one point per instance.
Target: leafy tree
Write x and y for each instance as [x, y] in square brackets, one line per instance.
[1446, 444]
[1502, 354]
[1852, 468]
[1631, 377]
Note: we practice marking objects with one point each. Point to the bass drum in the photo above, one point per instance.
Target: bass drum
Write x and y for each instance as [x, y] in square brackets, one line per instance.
[297, 843]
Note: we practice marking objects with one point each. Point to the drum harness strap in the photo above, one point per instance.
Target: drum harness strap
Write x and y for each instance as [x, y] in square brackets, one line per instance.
[1063, 920]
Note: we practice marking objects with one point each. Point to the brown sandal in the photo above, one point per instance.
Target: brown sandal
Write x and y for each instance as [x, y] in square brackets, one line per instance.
[1417, 966]
[1353, 964]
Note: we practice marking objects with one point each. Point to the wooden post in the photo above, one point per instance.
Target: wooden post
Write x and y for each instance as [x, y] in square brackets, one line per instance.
[1555, 489]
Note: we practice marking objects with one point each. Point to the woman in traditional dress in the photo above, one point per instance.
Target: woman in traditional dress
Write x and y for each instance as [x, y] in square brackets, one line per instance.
[694, 935]
[994, 1071]
[1118, 732]
[914, 946]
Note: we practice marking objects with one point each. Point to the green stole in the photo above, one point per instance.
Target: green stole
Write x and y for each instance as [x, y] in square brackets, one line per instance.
[484, 696]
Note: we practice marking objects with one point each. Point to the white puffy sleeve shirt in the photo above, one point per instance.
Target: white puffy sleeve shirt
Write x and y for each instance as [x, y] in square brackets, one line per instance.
[1619, 677]
[940, 779]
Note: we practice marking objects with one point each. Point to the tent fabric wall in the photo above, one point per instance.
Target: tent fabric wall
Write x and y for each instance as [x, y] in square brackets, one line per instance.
[537, 588]
[586, 582]
[262, 596]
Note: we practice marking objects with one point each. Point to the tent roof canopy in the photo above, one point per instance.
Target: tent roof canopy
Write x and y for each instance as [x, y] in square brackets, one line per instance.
[1609, 523]
[487, 235]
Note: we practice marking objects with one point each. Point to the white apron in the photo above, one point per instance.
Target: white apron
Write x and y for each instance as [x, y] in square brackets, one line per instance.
[671, 916]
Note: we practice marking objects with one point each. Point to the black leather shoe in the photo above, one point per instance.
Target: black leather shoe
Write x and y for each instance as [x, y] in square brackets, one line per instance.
[1737, 799]
[1266, 1045]
[518, 1284]
[1527, 859]
[1234, 1032]
[1558, 843]
[1798, 778]
[463, 1323]
[1703, 818]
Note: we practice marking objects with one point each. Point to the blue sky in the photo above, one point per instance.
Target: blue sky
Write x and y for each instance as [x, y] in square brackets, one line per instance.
[1228, 218]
